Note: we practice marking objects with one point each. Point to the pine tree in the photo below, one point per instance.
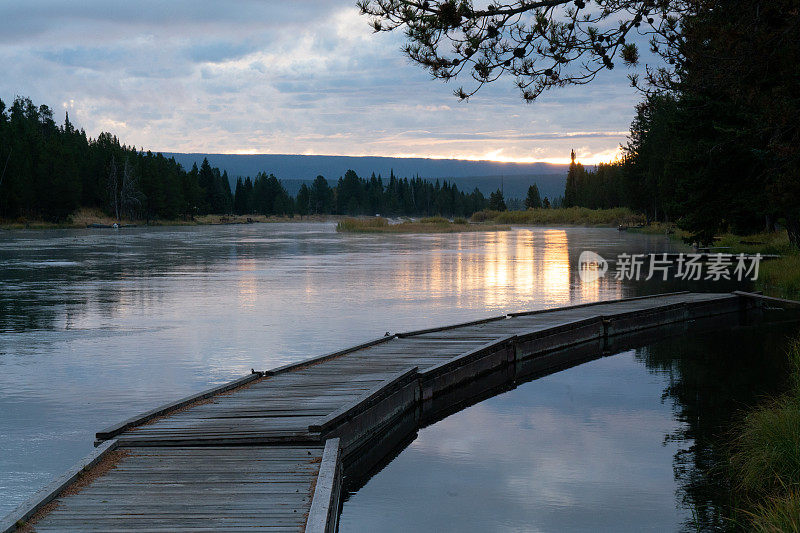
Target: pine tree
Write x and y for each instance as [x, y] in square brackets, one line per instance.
[321, 196]
[496, 202]
[303, 201]
[533, 200]
[571, 188]
[239, 199]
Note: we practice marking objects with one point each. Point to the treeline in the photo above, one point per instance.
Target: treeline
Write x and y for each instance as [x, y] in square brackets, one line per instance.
[605, 186]
[353, 195]
[717, 146]
[47, 171]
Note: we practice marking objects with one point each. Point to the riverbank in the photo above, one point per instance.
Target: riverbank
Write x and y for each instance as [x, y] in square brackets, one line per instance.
[423, 225]
[764, 461]
[567, 216]
[763, 467]
[481, 221]
[778, 277]
[87, 217]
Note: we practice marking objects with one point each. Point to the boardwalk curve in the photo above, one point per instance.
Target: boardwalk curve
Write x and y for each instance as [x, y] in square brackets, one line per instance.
[266, 452]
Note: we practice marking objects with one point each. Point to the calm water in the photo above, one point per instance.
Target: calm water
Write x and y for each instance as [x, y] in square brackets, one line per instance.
[99, 325]
[622, 443]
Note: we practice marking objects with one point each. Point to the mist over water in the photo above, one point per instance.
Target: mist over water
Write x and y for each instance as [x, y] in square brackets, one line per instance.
[99, 325]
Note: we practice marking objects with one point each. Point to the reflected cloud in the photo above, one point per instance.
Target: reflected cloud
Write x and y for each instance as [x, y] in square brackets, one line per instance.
[558, 453]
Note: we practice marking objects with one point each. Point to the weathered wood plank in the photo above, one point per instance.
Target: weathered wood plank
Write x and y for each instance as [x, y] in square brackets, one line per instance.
[116, 429]
[454, 326]
[323, 516]
[367, 400]
[221, 487]
[325, 357]
[44, 496]
[602, 302]
[783, 302]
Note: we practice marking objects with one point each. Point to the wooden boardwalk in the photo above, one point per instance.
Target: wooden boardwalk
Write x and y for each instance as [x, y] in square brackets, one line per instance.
[182, 488]
[265, 452]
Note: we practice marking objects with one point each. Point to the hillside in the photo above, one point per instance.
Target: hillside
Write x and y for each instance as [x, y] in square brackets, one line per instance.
[487, 176]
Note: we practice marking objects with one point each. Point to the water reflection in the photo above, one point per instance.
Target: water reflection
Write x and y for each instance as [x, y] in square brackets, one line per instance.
[555, 266]
[496, 275]
[112, 274]
[98, 325]
[621, 443]
[708, 381]
[248, 283]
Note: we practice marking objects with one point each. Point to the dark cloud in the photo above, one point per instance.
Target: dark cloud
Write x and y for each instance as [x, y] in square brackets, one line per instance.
[38, 16]
[94, 58]
[215, 52]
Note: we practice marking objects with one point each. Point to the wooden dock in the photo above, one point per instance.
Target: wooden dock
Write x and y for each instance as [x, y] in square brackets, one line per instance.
[266, 452]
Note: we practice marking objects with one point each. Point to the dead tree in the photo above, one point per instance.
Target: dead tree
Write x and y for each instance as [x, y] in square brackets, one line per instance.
[130, 197]
[113, 187]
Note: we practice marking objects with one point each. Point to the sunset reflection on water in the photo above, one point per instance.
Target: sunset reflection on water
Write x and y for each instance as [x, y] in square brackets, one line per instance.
[499, 271]
[149, 314]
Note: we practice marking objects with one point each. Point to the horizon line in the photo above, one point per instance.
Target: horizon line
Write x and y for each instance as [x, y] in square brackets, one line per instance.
[477, 159]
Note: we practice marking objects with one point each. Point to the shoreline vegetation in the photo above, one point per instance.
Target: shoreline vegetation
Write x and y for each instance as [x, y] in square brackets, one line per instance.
[778, 277]
[764, 461]
[568, 216]
[86, 218]
[422, 225]
[485, 220]
[493, 220]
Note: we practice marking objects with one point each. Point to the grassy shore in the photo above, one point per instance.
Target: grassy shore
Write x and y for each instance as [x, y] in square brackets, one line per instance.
[777, 277]
[764, 463]
[569, 216]
[84, 217]
[483, 220]
[423, 225]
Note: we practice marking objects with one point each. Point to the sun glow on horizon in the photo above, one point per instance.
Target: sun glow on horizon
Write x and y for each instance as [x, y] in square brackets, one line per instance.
[584, 157]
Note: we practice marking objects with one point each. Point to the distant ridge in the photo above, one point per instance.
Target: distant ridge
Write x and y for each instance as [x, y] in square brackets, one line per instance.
[294, 170]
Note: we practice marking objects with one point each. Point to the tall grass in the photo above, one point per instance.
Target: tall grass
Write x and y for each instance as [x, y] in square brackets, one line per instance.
[777, 277]
[765, 460]
[776, 242]
[434, 220]
[781, 277]
[576, 216]
[777, 515]
[362, 225]
[767, 451]
[423, 225]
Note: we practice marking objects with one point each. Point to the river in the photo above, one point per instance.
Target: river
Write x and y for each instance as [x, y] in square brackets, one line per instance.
[99, 325]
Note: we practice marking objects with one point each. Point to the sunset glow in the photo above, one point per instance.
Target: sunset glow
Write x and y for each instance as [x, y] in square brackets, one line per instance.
[584, 157]
[300, 78]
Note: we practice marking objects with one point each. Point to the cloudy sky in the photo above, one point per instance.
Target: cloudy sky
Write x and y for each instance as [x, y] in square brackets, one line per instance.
[299, 77]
